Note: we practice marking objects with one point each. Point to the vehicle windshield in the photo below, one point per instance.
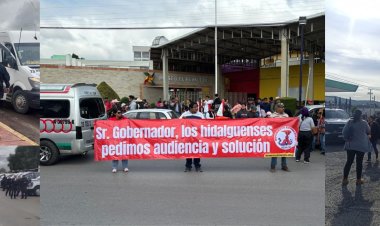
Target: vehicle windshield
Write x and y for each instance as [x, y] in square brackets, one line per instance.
[336, 114]
[28, 53]
[92, 108]
[173, 114]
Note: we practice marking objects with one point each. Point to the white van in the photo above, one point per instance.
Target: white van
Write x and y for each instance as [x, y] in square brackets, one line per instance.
[20, 54]
[67, 116]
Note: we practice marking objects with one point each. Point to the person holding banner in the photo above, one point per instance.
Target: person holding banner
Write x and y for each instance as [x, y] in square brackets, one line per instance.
[279, 113]
[115, 163]
[194, 114]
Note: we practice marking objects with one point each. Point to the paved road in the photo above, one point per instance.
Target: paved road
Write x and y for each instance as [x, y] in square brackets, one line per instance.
[351, 205]
[16, 212]
[79, 191]
[26, 124]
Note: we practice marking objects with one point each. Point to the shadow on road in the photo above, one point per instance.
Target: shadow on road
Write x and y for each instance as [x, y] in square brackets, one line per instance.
[372, 171]
[353, 210]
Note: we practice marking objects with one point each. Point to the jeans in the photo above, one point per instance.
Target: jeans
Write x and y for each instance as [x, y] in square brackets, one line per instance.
[374, 143]
[189, 161]
[274, 162]
[124, 164]
[322, 141]
[305, 138]
[359, 163]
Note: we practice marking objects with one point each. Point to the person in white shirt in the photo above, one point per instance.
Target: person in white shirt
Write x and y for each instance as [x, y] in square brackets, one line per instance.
[305, 136]
[207, 104]
[192, 113]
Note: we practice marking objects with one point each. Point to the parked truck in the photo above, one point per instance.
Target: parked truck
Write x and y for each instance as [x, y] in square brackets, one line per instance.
[20, 54]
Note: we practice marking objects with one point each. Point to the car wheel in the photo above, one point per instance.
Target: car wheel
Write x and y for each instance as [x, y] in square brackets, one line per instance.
[49, 153]
[20, 102]
[37, 191]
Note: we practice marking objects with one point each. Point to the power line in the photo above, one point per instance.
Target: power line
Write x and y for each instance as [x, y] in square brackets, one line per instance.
[121, 28]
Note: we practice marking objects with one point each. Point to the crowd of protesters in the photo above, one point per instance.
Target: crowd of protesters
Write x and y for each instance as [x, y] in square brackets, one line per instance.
[14, 185]
[312, 128]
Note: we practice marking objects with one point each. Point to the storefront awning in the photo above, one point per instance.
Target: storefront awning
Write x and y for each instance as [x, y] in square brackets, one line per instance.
[335, 86]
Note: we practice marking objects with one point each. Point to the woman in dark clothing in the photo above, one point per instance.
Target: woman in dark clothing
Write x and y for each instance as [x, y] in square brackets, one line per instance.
[375, 134]
[305, 136]
[356, 134]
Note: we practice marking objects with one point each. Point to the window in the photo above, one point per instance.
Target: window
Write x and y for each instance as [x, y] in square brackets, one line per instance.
[145, 55]
[147, 115]
[131, 115]
[91, 108]
[137, 55]
[6, 56]
[161, 115]
[54, 108]
[173, 114]
[28, 53]
[338, 114]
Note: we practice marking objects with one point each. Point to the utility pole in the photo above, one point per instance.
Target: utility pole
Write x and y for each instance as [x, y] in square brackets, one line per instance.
[302, 23]
[370, 100]
[374, 105]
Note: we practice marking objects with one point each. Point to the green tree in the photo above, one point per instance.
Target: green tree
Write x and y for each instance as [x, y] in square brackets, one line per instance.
[106, 91]
[25, 157]
[74, 56]
[3, 170]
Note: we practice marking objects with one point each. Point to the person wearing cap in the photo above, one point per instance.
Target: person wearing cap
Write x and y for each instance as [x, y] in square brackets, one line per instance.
[115, 163]
[279, 113]
[252, 113]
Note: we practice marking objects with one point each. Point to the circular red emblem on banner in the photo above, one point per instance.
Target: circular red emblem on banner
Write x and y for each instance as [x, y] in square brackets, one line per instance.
[285, 138]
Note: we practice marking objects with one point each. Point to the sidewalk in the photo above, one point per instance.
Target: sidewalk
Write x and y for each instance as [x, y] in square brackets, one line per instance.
[10, 137]
[351, 204]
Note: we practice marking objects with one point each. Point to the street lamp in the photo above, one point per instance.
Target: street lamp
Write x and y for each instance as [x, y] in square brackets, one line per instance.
[302, 23]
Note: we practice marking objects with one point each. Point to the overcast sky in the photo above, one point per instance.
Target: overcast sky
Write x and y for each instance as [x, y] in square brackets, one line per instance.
[17, 14]
[4, 154]
[352, 44]
[117, 45]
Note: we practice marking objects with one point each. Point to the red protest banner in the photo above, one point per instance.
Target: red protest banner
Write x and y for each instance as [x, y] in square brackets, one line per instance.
[192, 138]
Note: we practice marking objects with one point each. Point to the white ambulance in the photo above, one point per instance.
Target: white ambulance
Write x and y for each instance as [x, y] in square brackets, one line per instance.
[20, 54]
[67, 116]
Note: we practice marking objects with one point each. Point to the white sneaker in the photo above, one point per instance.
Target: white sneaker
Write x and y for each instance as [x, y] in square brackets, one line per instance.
[126, 170]
[114, 170]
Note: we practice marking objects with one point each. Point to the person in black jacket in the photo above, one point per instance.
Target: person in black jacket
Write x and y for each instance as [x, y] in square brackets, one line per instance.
[216, 103]
[375, 134]
[4, 78]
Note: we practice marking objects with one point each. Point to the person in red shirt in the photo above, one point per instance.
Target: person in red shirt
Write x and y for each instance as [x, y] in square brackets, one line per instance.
[115, 163]
[107, 104]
